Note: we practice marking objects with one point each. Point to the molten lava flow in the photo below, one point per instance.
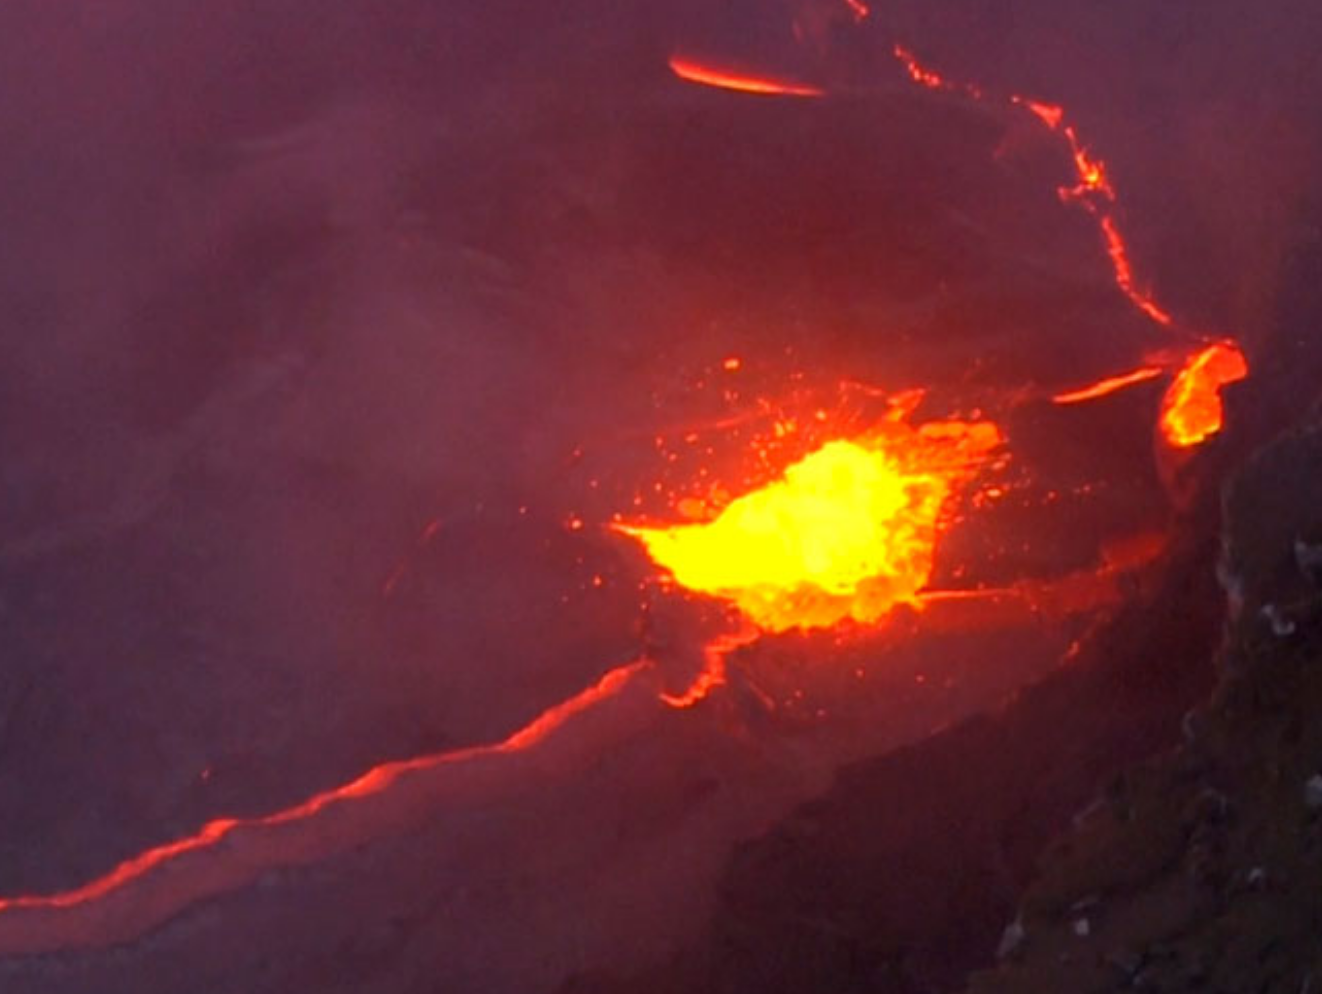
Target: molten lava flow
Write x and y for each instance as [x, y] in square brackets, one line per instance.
[1191, 411]
[731, 79]
[712, 675]
[1110, 385]
[924, 76]
[374, 781]
[848, 532]
[1092, 189]
[1124, 273]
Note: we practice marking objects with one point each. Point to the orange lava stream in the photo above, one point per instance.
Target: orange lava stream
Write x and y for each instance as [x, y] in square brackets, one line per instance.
[1124, 273]
[923, 76]
[374, 781]
[848, 532]
[1092, 189]
[730, 79]
[712, 675]
[1192, 411]
[1110, 385]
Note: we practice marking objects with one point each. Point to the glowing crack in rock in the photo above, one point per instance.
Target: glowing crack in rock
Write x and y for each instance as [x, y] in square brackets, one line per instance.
[732, 79]
[924, 76]
[848, 532]
[1091, 190]
[1192, 411]
[1108, 386]
[712, 674]
[1124, 272]
[375, 781]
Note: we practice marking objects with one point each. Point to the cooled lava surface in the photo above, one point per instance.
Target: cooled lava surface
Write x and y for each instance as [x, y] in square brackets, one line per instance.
[484, 486]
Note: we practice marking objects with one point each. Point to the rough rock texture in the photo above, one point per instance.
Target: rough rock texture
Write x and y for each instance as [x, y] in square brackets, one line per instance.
[1203, 870]
[901, 877]
[1200, 869]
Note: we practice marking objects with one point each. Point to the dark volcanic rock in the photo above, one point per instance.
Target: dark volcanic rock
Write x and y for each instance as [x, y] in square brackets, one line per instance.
[1201, 869]
[1207, 864]
[902, 877]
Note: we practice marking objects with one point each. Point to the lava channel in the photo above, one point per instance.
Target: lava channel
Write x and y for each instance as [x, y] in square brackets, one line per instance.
[725, 78]
[155, 884]
[1108, 386]
[1191, 411]
[849, 532]
[1091, 189]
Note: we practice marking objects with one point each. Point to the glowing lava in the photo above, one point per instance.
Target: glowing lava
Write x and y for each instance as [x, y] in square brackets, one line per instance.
[732, 79]
[849, 531]
[1124, 273]
[924, 76]
[1108, 386]
[374, 781]
[1092, 189]
[712, 675]
[1191, 411]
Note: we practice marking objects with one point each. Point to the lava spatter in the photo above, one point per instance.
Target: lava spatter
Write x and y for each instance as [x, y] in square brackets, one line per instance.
[1192, 411]
[847, 532]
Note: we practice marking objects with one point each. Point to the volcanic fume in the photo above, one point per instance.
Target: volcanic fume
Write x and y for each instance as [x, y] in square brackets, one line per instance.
[846, 532]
